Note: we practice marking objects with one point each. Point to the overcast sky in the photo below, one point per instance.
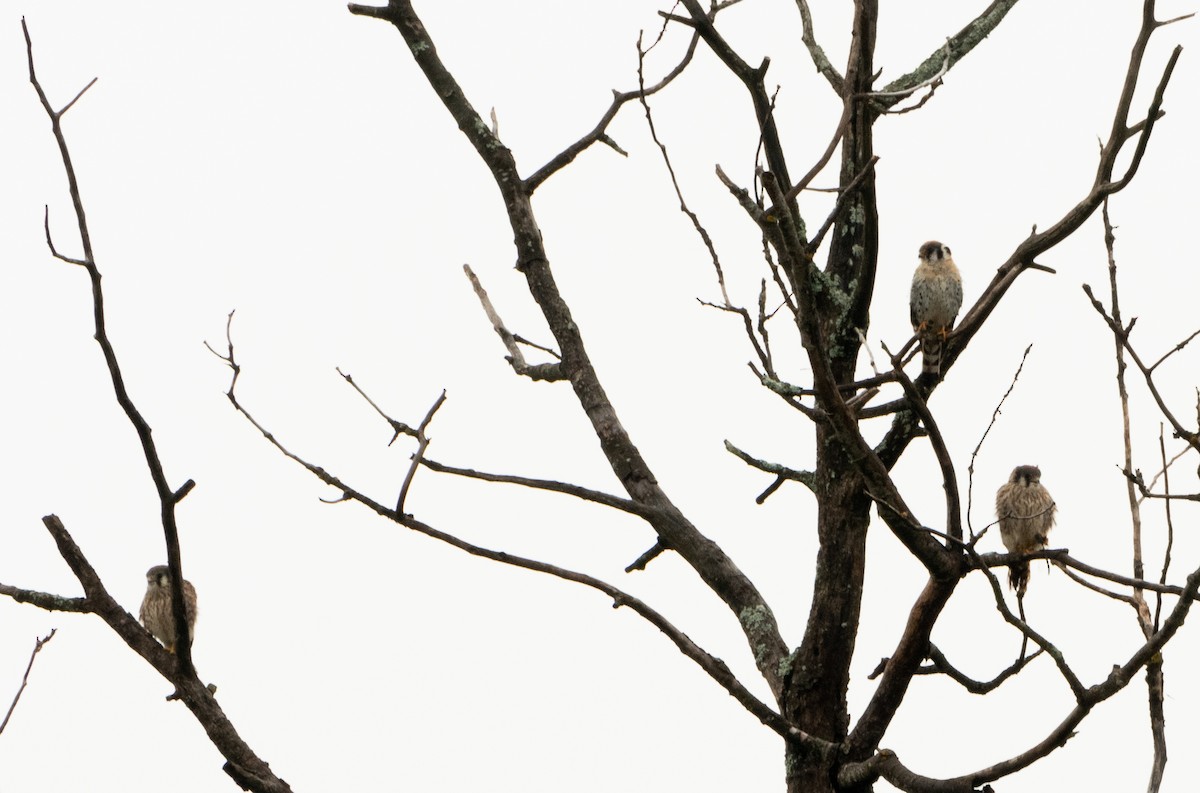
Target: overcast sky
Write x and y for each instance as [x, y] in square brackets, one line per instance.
[287, 160]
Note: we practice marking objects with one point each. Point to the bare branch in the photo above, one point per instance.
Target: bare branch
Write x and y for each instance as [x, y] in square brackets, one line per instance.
[1023, 257]
[781, 472]
[166, 494]
[1123, 335]
[705, 238]
[714, 667]
[1174, 350]
[1145, 488]
[78, 96]
[839, 132]
[37, 648]
[1083, 582]
[699, 228]
[241, 762]
[422, 444]
[1062, 555]
[942, 665]
[836, 212]
[819, 59]
[949, 478]
[748, 203]
[1166, 563]
[652, 553]
[988, 429]
[944, 58]
[1135, 512]
[1116, 681]
[45, 600]
[398, 427]
[1063, 667]
[1154, 675]
[599, 132]
[1166, 589]
[712, 564]
[586, 494]
[1103, 186]
[752, 79]
[933, 81]
[885, 763]
[549, 372]
[902, 666]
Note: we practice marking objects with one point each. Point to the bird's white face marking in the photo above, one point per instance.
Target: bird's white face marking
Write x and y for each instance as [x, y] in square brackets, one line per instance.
[1026, 475]
[158, 576]
[933, 251]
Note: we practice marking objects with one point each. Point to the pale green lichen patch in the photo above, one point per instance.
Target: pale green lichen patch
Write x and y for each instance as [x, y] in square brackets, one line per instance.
[756, 620]
[785, 665]
[419, 47]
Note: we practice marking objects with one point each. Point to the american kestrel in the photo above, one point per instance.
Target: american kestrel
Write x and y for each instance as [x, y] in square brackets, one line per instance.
[156, 613]
[1026, 513]
[934, 302]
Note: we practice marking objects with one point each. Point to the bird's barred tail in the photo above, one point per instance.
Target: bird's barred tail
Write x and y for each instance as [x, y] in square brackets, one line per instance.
[1018, 576]
[931, 356]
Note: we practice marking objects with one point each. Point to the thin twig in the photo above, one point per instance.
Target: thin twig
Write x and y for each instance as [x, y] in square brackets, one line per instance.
[398, 427]
[701, 231]
[548, 372]
[839, 132]
[940, 450]
[599, 132]
[941, 665]
[166, 493]
[1159, 474]
[1068, 674]
[1083, 582]
[1174, 350]
[815, 243]
[422, 444]
[1038, 242]
[583, 493]
[782, 472]
[241, 762]
[713, 666]
[37, 648]
[986, 431]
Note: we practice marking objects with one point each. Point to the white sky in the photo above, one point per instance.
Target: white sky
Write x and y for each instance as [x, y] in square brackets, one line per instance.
[287, 160]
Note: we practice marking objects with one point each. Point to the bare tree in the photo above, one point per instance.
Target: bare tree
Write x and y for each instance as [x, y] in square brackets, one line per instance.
[817, 287]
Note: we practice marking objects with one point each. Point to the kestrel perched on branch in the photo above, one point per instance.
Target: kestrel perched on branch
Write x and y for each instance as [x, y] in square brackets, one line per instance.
[934, 302]
[1026, 513]
[157, 614]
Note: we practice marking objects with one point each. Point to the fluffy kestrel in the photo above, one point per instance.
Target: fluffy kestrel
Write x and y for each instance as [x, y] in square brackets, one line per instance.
[934, 302]
[156, 613]
[1026, 513]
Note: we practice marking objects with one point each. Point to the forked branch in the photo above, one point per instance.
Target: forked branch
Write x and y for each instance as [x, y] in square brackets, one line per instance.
[713, 666]
[167, 496]
[887, 765]
[673, 528]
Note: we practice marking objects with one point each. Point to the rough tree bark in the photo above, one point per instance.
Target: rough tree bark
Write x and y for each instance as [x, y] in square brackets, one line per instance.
[831, 308]
[828, 291]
